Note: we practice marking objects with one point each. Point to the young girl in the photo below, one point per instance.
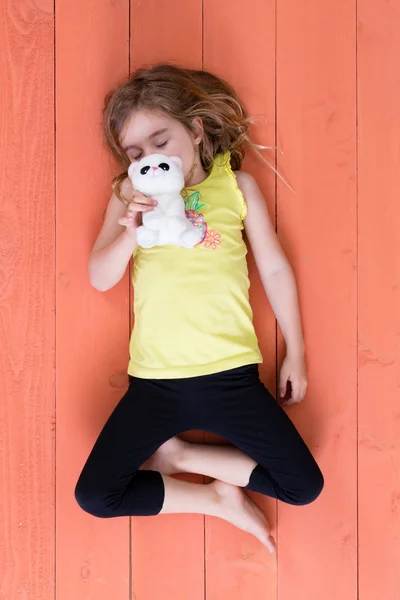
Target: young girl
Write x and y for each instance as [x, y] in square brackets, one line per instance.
[193, 353]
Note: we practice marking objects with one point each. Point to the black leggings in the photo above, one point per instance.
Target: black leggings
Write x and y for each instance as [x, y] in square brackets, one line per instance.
[233, 404]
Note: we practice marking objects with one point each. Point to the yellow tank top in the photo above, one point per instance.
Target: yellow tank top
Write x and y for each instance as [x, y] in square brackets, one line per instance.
[192, 310]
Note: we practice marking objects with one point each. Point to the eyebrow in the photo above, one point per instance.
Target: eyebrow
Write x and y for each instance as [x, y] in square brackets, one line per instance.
[153, 135]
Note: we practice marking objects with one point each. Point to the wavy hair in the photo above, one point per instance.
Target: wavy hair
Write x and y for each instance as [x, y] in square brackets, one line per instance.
[182, 94]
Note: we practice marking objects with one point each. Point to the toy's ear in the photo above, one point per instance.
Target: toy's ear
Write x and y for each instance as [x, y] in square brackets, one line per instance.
[177, 161]
[132, 169]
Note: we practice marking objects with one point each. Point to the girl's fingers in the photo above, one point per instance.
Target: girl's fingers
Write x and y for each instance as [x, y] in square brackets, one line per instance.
[140, 199]
[283, 381]
[125, 222]
[295, 392]
[138, 208]
[131, 214]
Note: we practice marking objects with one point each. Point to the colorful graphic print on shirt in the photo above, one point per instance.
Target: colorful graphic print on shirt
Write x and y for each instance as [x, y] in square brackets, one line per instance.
[209, 237]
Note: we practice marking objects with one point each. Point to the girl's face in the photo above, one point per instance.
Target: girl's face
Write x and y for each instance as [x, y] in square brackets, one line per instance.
[156, 133]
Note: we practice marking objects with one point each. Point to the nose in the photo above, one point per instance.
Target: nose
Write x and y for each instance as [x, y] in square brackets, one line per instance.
[154, 168]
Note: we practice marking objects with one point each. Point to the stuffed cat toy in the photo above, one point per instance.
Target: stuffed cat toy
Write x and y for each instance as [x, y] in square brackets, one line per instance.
[161, 177]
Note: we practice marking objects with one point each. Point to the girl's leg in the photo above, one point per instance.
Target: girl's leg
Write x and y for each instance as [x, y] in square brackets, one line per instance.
[223, 462]
[270, 458]
[217, 499]
[112, 485]
[247, 415]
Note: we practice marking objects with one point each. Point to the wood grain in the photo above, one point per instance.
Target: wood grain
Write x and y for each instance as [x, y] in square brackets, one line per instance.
[92, 54]
[379, 299]
[168, 550]
[27, 328]
[239, 45]
[316, 119]
[166, 32]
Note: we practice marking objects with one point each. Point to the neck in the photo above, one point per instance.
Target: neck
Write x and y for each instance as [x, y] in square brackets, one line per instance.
[199, 175]
[196, 174]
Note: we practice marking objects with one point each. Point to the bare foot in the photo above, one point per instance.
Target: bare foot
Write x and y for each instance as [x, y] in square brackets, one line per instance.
[167, 458]
[237, 508]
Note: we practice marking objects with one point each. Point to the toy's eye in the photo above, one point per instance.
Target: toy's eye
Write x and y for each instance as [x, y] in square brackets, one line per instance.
[144, 170]
[164, 166]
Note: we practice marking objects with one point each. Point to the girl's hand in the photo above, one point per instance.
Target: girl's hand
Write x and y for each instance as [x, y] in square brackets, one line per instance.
[139, 204]
[293, 380]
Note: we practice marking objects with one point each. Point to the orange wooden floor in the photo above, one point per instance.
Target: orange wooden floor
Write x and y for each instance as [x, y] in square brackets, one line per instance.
[326, 77]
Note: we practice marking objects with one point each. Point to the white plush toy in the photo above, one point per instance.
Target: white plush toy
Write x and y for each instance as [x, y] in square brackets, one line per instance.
[161, 177]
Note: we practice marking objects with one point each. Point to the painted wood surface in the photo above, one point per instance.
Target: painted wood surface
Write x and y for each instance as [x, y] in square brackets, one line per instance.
[27, 301]
[379, 299]
[316, 123]
[326, 80]
[92, 46]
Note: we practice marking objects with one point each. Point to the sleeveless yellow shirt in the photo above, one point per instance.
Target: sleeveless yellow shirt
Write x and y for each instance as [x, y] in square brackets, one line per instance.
[192, 310]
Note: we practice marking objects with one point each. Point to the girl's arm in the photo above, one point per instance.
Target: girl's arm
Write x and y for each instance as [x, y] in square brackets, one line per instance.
[112, 250]
[117, 239]
[278, 281]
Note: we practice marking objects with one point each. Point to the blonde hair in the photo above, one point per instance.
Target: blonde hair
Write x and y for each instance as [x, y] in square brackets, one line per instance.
[182, 94]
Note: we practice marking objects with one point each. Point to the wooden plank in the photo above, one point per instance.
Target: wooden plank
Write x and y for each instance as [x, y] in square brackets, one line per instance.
[92, 55]
[166, 32]
[27, 329]
[168, 550]
[379, 299]
[239, 45]
[316, 123]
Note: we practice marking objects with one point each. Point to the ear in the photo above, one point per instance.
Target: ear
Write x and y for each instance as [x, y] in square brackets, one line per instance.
[132, 169]
[177, 161]
[198, 130]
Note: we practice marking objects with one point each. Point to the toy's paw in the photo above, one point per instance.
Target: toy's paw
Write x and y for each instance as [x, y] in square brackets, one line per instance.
[146, 238]
[153, 220]
[191, 237]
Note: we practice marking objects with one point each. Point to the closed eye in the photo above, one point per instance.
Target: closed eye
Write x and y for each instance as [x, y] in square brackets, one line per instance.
[139, 156]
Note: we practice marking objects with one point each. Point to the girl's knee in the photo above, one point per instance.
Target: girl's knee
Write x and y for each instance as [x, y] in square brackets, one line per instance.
[143, 497]
[310, 492]
[92, 501]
